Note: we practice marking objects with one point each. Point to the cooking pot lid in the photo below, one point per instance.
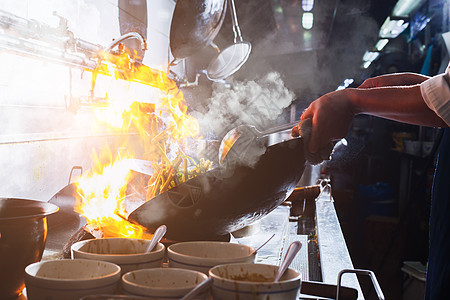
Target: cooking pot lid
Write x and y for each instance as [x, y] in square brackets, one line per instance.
[195, 24]
[228, 61]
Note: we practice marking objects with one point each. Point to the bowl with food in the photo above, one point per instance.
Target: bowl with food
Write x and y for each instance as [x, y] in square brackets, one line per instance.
[246, 281]
[166, 283]
[70, 279]
[130, 254]
[203, 255]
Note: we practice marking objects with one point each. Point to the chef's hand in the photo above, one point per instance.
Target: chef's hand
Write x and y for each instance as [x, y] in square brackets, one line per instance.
[303, 129]
[331, 117]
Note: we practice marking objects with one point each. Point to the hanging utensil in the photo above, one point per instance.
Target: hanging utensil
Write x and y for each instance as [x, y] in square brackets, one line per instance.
[231, 59]
[195, 24]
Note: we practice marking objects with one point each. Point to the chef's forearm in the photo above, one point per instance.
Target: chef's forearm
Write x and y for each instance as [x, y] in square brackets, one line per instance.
[399, 103]
[396, 79]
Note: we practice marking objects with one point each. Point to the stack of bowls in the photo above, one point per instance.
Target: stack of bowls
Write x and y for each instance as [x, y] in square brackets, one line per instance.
[111, 266]
[142, 272]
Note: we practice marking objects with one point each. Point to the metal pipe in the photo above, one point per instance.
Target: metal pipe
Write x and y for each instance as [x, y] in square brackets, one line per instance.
[127, 36]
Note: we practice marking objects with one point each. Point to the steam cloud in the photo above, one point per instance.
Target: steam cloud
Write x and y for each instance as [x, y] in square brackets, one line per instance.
[257, 103]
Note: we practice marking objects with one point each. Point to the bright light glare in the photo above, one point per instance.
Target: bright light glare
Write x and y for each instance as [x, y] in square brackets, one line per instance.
[392, 28]
[381, 43]
[348, 81]
[370, 56]
[307, 20]
[307, 5]
[346, 84]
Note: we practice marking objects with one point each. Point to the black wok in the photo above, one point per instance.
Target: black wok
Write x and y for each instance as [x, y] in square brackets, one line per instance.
[195, 24]
[225, 199]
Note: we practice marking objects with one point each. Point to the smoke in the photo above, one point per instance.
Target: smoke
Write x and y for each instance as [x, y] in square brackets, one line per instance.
[258, 102]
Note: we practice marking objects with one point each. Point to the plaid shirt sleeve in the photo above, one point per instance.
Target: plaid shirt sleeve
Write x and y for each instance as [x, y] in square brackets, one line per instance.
[436, 93]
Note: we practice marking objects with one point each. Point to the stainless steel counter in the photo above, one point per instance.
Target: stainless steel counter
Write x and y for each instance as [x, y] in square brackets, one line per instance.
[334, 255]
[333, 252]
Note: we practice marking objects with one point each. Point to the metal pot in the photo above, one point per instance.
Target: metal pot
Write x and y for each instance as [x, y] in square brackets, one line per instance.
[195, 24]
[224, 200]
[23, 232]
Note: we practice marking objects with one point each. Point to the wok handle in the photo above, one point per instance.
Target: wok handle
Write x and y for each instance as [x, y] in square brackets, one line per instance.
[375, 283]
[324, 290]
[280, 128]
[71, 172]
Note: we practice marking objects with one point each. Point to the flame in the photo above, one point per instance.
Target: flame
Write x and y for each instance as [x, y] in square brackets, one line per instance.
[161, 126]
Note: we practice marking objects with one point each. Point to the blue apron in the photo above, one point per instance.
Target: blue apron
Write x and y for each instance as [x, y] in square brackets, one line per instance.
[438, 272]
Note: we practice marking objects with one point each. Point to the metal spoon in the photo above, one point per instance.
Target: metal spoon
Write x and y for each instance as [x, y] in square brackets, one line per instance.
[198, 289]
[290, 254]
[157, 236]
[263, 244]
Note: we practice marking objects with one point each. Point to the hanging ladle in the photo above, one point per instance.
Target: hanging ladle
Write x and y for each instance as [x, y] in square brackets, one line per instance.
[231, 59]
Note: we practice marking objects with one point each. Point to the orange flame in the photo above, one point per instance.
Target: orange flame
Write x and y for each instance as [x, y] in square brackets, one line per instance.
[103, 190]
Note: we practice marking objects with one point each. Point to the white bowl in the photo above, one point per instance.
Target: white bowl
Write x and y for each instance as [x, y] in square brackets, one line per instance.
[70, 279]
[201, 256]
[253, 282]
[129, 254]
[164, 283]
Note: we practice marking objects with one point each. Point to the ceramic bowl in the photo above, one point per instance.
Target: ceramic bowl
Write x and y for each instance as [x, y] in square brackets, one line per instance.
[70, 279]
[203, 255]
[129, 254]
[166, 283]
[253, 282]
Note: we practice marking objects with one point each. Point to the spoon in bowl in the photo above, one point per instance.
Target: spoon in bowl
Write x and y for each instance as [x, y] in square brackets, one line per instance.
[263, 244]
[203, 286]
[157, 236]
[290, 254]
